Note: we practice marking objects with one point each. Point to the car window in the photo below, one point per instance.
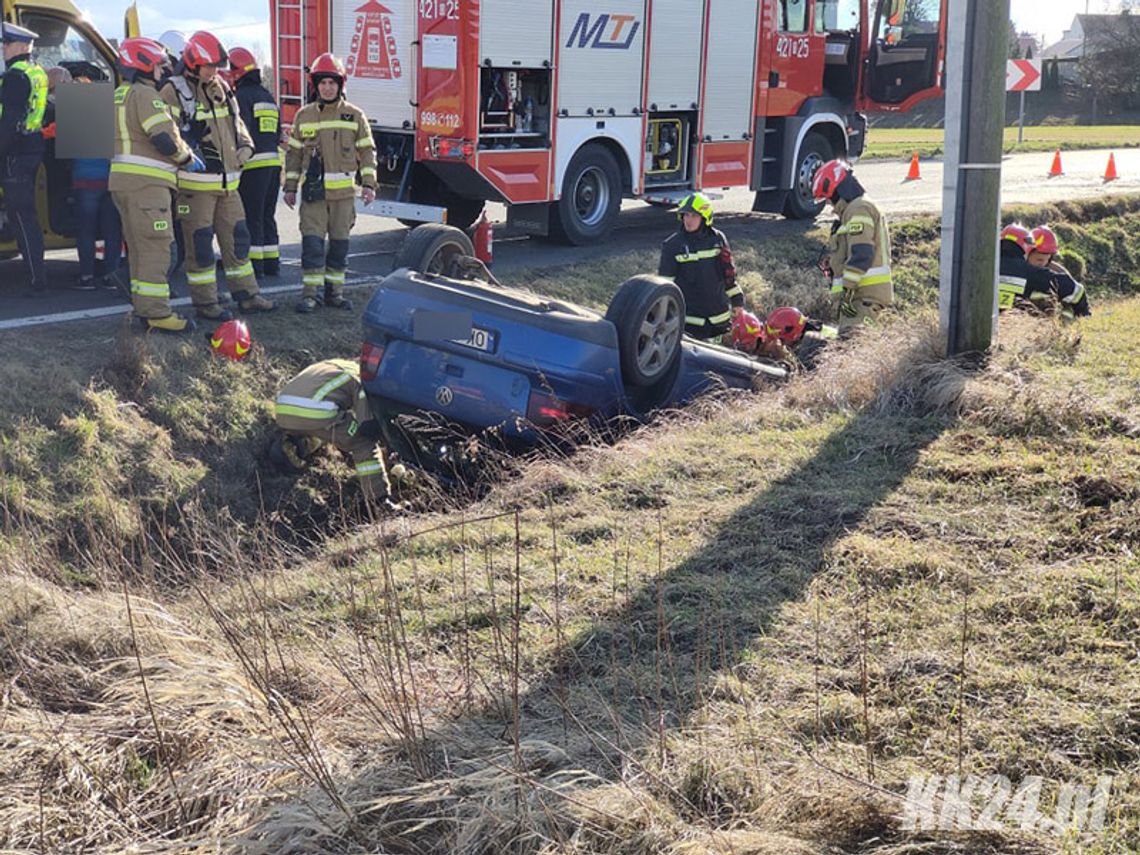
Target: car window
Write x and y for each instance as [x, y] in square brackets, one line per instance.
[61, 44]
[909, 18]
[833, 15]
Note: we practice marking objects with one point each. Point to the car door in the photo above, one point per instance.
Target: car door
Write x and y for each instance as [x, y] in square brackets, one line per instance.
[905, 55]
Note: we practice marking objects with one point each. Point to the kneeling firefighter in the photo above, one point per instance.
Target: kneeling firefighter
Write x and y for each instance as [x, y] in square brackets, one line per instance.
[326, 405]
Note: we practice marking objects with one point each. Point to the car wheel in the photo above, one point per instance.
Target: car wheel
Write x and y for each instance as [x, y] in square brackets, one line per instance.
[649, 314]
[591, 197]
[433, 248]
[814, 152]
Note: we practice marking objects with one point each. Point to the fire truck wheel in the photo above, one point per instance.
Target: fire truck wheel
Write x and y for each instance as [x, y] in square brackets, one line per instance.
[591, 197]
[433, 248]
[649, 313]
[815, 151]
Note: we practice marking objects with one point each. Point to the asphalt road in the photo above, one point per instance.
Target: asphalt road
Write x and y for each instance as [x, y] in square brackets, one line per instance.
[375, 240]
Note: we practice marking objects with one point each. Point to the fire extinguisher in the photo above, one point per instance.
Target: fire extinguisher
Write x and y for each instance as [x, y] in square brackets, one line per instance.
[484, 239]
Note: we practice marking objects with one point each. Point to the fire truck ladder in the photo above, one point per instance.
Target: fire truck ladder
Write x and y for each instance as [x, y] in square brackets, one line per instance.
[282, 10]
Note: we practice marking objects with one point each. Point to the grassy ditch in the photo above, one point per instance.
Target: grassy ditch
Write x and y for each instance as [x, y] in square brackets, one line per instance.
[928, 142]
[744, 629]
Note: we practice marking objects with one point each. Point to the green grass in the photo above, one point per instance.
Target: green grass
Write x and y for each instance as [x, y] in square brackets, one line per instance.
[739, 630]
[928, 142]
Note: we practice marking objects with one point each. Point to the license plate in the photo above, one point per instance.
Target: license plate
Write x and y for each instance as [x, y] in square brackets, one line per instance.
[480, 339]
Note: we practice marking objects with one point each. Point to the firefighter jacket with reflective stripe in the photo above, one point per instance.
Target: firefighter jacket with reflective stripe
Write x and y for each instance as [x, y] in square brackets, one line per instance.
[23, 99]
[860, 247]
[144, 132]
[695, 261]
[1018, 278]
[217, 133]
[262, 119]
[324, 390]
[339, 133]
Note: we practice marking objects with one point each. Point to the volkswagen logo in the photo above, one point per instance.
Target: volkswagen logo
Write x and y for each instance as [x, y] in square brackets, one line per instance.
[444, 396]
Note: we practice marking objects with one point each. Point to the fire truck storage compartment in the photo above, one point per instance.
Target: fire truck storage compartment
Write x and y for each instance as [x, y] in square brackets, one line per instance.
[514, 108]
[512, 38]
[376, 43]
[674, 55]
[730, 66]
[601, 48]
[668, 149]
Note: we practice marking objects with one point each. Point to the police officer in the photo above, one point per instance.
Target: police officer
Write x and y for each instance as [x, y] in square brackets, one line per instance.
[330, 143]
[698, 258]
[23, 99]
[261, 175]
[860, 247]
[144, 175]
[208, 202]
[325, 404]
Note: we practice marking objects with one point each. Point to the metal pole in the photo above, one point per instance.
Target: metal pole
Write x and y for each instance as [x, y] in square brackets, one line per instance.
[1021, 120]
[975, 115]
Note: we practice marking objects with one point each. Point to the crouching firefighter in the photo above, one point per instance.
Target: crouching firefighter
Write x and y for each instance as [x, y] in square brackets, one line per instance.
[1028, 275]
[698, 258]
[208, 202]
[331, 141]
[859, 258]
[326, 405]
[149, 150]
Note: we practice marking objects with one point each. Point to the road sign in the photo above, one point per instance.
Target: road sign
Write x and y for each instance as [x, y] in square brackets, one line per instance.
[1023, 75]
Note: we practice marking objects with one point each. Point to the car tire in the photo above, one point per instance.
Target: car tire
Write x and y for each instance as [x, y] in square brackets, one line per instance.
[814, 151]
[591, 197]
[433, 248]
[649, 314]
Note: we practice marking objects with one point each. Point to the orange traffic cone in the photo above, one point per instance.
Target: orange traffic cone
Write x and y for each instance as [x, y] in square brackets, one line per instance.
[1055, 169]
[913, 174]
[1110, 171]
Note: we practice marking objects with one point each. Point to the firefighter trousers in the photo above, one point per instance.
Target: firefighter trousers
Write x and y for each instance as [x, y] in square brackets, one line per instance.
[335, 218]
[862, 306]
[339, 430]
[18, 180]
[259, 189]
[149, 233]
[204, 216]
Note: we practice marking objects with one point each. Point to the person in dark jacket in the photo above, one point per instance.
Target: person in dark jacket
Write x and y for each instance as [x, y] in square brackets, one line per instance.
[261, 175]
[1026, 273]
[23, 99]
[698, 258]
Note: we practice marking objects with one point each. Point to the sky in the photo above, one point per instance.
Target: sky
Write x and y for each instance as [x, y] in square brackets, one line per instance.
[246, 22]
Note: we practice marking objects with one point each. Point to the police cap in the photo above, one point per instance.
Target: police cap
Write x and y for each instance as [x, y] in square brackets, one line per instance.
[15, 33]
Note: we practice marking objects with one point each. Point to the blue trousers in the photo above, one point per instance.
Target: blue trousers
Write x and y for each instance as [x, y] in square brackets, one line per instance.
[97, 217]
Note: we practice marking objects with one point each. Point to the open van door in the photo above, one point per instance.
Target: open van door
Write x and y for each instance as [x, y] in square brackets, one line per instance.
[906, 51]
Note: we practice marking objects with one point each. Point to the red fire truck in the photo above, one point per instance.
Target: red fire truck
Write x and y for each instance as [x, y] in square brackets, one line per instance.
[560, 108]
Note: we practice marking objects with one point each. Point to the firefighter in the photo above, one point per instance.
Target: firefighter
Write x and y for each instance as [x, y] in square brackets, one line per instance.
[331, 141]
[175, 42]
[859, 257]
[208, 202]
[326, 405]
[1041, 254]
[144, 176]
[23, 100]
[698, 258]
[1013, 269]
[261, 175]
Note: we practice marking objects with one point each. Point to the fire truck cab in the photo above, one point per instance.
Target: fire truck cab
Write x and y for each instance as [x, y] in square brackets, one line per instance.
[560, 108]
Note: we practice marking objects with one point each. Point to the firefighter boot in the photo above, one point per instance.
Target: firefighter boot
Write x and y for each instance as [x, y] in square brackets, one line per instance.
[170, 324]
[253, 303]
[309, 303]
[212, 312]
[334, 299]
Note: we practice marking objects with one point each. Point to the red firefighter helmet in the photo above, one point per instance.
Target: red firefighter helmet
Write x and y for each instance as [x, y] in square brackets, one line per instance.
[231, 340]
[1019, 234]
[242, 61]
[203, 48]
[746, 331]
[326, 65]
[141, 54]
[786, 324]
[828, 177]
[1042, 240]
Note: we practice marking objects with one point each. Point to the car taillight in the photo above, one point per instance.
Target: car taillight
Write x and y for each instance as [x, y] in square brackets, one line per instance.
[544, 409]
[370, 356]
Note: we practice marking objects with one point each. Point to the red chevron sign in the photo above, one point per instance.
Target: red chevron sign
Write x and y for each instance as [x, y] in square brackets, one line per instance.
[1023, 75]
